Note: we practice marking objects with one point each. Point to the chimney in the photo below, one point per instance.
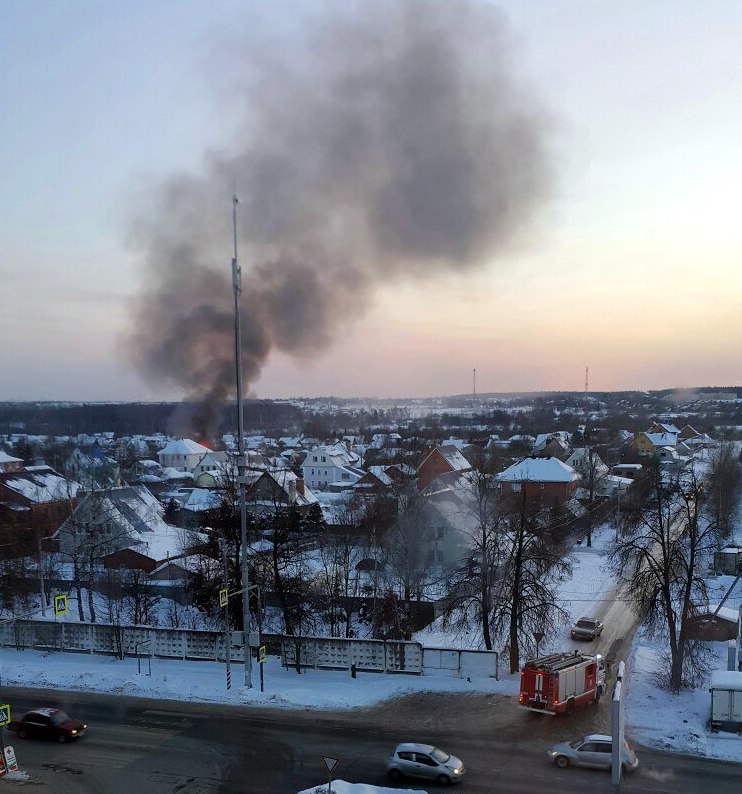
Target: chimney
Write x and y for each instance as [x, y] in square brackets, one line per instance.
[300, 486]
[348, 445]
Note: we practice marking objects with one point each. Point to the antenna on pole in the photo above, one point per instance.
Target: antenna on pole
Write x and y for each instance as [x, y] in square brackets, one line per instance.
[241, 460]
[587, 369]
[474, 385]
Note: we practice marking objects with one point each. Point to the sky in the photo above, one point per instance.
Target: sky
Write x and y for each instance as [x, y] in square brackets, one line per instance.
[627, 264]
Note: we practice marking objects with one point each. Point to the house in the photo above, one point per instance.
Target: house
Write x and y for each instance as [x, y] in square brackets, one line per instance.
[120, 527]
[34, 501]
[214, 462]
[627, 470]
[331, 467]
[182, 454]
[664, 427]
[646, 443]
[548, 479]
[92, 469]
[556, 445]
[441, 460]
[278, 489]
[9, 463]
[588, 465]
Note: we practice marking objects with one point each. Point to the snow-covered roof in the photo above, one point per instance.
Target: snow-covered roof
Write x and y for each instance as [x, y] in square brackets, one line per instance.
[539, 470]
[726, 679]
[40, 484]
[5, 458]
[662, 439]
[184, 446]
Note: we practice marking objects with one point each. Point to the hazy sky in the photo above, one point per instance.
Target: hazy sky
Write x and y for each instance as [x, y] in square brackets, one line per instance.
[632, 267]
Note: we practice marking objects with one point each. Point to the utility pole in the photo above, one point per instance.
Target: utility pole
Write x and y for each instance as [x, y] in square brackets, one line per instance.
[41, 581]
[241, 461]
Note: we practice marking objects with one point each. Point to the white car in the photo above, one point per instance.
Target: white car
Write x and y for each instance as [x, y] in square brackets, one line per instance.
[426, 762]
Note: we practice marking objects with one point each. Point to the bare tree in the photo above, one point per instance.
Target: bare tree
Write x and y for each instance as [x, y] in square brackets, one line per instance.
[659, 556]
[533, 561]
[474, 587]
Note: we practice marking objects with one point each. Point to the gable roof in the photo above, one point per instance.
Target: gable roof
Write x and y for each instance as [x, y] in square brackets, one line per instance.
[184, 446]
[539, 470]
[40, 484]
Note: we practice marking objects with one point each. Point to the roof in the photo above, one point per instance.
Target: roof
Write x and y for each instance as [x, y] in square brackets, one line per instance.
[539, 470]
[40, 484]
[726, 679]
[5, 458]
[184, 446]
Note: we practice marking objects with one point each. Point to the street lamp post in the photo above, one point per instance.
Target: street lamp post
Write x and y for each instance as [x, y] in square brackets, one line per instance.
[241, 461]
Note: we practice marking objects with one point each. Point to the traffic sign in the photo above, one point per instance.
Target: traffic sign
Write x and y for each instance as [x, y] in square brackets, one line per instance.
[223, 597]
[60, 605]
[330, 763]
[10, 762]
[5, 714]
[261, 654]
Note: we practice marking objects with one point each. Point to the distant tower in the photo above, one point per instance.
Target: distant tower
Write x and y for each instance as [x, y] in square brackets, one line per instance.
[474, 386]
[587, 369]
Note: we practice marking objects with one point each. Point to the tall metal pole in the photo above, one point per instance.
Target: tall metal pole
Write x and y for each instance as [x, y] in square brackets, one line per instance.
[241, 461]
[227, 637]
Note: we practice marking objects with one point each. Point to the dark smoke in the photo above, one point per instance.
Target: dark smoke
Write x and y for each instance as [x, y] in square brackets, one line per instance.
[383, 140]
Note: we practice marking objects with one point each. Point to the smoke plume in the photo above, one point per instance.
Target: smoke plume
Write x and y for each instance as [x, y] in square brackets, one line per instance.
[383, 139]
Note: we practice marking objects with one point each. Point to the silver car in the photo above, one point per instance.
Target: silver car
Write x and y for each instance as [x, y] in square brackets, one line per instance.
[586, 629]
[426, 762]
[592, 751]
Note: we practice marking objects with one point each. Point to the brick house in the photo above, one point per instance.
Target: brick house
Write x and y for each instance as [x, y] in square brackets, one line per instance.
[441, 460]
[547, 479]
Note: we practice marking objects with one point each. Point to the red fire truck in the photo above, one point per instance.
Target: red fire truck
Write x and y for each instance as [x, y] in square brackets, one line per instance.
[561, 682]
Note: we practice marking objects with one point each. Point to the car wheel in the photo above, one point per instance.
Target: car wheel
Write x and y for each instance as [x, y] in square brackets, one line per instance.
[570, 706]
[562, 761]
[443, 780]
[394, 774]
[598, 693]
[61, 738]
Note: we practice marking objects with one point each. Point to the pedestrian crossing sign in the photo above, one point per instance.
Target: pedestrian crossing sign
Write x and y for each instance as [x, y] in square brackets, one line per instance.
[4, 714]
[60, 605]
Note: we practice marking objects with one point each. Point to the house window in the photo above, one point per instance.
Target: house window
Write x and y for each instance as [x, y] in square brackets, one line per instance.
[324, 460]
[515, 488]
[441, 533]
[314, 458]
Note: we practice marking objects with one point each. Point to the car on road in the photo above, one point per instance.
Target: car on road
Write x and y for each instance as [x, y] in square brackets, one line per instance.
[592, 751]
[586, 629]
[424, 761]
[48, 723]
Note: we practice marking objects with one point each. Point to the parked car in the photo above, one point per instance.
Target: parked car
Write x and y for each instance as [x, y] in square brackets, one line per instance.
[593, 751]
[426, 762]
[587, 629]
[47, 723]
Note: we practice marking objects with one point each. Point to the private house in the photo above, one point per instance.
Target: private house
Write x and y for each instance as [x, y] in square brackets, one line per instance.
[277, 490]
[664, 427]
[182, 454]
[218, 462]
[113, 519]
[627, 470]
[333, 467]
[554, 445]
[34, 501]
[547, 479]
[588, 466]
[441, 460]
[8, 463]
[92, 469]
[646, 443]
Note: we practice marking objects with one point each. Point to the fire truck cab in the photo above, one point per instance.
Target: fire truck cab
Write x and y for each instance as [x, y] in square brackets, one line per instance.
[560, 682]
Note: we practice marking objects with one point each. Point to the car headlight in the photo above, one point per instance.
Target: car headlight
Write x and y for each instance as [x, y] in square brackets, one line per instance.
[73, 732]
[551, 753]
[456, 771]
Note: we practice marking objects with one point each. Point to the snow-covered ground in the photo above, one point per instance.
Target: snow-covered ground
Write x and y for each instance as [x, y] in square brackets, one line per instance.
[673, 722]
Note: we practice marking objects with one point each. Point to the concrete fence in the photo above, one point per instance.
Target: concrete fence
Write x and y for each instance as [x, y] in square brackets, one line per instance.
[320, 653]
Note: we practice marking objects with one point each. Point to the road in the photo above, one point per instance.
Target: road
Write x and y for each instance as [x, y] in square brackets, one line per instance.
[162, 747]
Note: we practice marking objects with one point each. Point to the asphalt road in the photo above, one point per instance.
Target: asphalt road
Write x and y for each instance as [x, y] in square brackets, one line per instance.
[162, 747]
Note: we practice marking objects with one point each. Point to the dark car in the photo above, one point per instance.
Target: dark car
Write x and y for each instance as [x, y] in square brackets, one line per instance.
[586, 629]
[44, 723]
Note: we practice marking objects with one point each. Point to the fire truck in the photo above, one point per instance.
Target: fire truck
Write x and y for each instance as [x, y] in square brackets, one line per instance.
[560, 682]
